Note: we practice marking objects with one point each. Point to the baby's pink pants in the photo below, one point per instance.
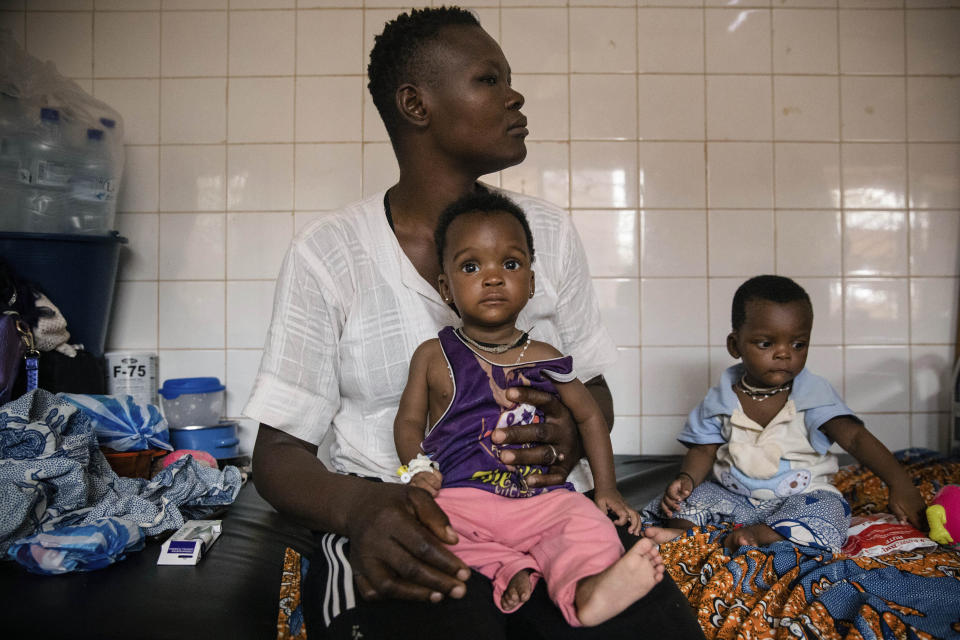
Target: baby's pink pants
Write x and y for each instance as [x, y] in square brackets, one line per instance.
[561, 535]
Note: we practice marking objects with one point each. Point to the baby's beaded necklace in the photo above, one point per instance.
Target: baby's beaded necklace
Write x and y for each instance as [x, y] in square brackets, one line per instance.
[489, 347]
[761, 393]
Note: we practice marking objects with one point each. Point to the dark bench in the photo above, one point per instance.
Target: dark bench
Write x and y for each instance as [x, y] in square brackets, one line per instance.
[233, 592]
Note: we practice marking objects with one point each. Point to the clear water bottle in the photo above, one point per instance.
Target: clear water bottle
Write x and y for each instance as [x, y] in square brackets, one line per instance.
[46, 168]
[12, 126]
[114, 141]
[93, 203]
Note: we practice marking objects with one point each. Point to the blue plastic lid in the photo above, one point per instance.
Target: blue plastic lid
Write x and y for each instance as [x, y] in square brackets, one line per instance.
[108, 123]
[94, 134]
[49, 114]
[175, 387]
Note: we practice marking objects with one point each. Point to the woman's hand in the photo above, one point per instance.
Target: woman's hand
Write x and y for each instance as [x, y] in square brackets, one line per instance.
[398, 537]
[608, 501]
[677, 491]
[907, 505]
[558, 442]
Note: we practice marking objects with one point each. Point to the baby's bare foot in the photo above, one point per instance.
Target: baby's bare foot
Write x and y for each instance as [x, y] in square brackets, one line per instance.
[661, 534]
[604, 595]
[517, 592]
[754, 535]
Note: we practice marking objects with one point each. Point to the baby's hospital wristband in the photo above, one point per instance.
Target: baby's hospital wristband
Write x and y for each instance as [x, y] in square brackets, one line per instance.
[418, 465]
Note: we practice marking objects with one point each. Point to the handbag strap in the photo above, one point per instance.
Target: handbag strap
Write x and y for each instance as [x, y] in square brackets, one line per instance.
[31, 356]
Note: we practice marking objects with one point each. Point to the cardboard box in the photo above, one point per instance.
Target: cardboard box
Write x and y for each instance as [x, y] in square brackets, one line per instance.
[188, 543]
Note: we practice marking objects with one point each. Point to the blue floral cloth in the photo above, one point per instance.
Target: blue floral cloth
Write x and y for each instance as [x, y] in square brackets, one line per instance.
[54, 480]
[817, 519]
[82, 547]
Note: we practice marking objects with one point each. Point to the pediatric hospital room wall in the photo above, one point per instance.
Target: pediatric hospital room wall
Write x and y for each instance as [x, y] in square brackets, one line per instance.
[695, 143]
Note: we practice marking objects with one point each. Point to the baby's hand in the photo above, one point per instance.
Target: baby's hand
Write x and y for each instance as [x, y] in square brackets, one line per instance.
[677, 491]
[429, 481]
[612, 501]
[907, 505]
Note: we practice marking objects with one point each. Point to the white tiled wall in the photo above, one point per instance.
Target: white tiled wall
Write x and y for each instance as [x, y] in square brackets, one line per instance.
[695, 142]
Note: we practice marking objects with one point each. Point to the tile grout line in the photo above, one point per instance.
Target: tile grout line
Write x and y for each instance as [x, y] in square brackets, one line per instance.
[638, 232]
[773, 134]
[842, 205]
[363, 120]
[909, 216]
[707, 204]
[159, 181]
[226, 191]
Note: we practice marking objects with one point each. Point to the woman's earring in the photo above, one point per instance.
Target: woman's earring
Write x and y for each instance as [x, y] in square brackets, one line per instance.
[531, 293]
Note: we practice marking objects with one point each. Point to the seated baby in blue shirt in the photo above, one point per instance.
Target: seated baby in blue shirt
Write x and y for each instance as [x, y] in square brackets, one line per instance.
[758, 444]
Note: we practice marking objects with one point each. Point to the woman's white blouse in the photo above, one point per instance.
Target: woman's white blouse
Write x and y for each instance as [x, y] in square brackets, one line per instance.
[350, 309]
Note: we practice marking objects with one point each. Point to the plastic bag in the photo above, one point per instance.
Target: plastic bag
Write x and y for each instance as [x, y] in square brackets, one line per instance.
[123, 424]
[881, 533]
[61, 149]
[82, 547]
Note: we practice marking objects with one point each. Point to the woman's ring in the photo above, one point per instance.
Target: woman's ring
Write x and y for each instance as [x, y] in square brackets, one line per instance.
[554, 456]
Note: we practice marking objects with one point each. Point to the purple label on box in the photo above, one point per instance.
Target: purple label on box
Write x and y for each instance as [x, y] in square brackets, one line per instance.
[182, 546]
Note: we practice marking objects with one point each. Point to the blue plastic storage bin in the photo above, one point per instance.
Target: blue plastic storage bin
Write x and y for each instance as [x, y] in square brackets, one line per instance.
[77, 272]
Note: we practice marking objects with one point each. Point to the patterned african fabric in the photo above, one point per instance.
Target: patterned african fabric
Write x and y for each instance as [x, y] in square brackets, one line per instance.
[789, 591]
[290, 623]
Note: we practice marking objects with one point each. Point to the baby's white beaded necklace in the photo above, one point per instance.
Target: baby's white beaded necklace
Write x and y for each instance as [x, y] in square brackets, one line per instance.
[524, 339]
[761, 393]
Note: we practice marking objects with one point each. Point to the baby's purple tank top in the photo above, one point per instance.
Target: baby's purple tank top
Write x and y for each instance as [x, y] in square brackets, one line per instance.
[460, 441]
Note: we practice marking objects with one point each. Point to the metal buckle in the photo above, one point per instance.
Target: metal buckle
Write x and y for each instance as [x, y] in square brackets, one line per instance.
[27, 336]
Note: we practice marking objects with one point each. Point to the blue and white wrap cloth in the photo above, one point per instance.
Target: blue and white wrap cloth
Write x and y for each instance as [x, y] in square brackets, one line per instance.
[123, 424]
[54, 480]
[82, 547]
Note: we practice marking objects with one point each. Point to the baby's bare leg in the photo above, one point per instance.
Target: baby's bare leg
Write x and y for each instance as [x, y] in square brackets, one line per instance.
[674, 527]
[604, 595]
[518, 590]
[754, 535]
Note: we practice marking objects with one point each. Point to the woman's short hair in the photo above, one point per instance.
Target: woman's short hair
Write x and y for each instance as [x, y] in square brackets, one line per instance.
[398, 54]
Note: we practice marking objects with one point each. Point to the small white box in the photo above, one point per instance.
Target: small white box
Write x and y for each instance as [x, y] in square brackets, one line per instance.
[188, 543]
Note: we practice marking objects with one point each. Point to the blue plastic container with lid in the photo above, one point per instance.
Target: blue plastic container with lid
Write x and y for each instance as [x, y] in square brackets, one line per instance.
[219, 440]
[191, 402]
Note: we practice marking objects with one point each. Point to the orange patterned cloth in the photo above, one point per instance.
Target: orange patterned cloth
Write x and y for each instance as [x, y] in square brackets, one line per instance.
[867, 493]
[781, 591]
[290, 624]
[785, 591]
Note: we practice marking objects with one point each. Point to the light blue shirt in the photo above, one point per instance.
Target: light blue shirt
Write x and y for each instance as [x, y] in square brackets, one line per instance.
[810, 393]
